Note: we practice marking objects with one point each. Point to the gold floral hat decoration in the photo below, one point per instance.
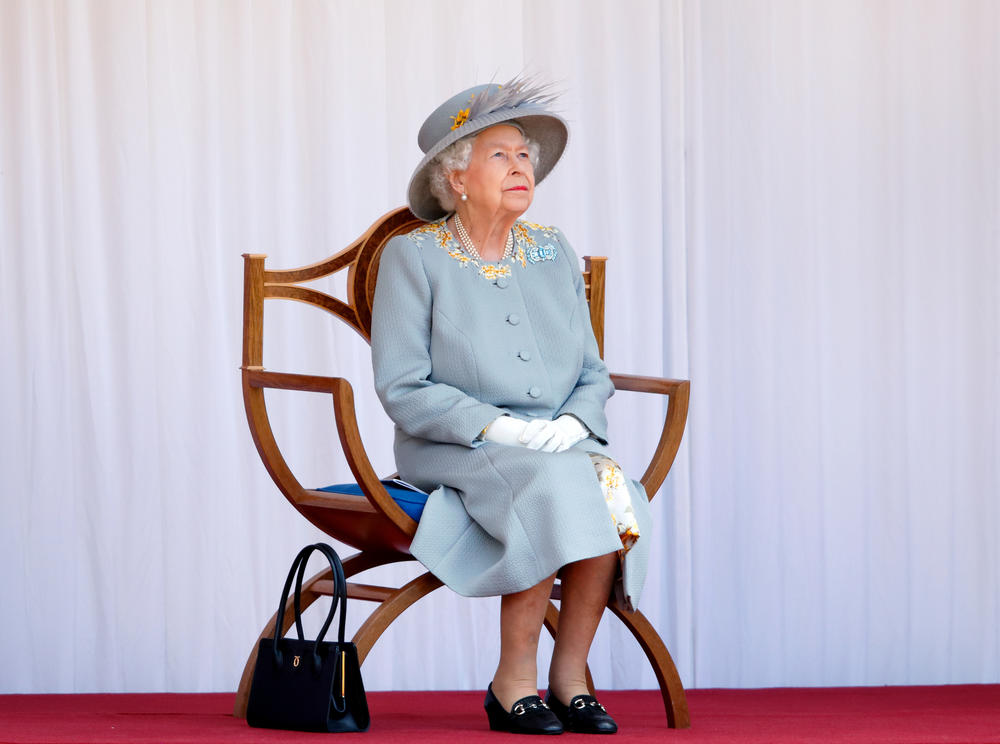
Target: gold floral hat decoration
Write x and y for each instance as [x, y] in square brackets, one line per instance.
[522, 101]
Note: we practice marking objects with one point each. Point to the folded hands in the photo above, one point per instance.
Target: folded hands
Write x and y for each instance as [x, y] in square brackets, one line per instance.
[537, 434]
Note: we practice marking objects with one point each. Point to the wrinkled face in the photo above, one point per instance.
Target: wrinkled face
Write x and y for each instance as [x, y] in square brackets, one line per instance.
[500, 177]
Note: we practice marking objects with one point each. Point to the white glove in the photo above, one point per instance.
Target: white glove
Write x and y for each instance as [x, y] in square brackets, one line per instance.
[505, 430]
[553, 436]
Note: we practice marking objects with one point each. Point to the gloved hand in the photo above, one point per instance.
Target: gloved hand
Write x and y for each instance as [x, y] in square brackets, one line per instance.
[505, 430]
[553, 436]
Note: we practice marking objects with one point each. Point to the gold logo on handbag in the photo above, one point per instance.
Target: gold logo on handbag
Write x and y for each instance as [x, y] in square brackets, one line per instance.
[296, 660]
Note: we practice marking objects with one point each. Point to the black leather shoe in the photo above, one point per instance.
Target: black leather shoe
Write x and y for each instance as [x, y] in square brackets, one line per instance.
[583, 715]
[529, 715]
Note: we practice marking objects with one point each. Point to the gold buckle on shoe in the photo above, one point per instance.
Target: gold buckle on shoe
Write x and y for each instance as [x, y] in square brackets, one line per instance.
[580, 704]
[520, 709]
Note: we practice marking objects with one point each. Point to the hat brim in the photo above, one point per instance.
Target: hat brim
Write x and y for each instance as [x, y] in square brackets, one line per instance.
[540, 125]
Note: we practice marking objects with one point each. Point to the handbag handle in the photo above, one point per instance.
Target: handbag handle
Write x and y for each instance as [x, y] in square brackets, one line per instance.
[339, 593]
[339, 597]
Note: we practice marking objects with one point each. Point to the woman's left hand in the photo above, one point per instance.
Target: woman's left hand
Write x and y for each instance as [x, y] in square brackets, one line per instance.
[553, 436]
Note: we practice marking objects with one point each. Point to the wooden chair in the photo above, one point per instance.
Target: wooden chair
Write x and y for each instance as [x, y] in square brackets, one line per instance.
[374, 523]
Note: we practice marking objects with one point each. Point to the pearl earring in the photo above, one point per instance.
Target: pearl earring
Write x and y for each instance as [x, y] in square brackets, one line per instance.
[464, 197]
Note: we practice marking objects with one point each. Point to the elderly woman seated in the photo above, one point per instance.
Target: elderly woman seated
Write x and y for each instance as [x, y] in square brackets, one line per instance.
[486, 361]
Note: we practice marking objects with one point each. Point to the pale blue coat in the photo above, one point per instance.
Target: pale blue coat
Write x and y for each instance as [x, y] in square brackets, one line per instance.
[452, 350]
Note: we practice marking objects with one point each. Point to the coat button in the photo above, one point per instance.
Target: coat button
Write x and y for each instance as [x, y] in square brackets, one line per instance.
[502, 282]
[535, 391]
[513, 318]
[524, 355]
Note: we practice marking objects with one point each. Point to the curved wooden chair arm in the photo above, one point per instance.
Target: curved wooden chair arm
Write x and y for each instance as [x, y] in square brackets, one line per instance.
[262, 378]
[347, 428]
[678, 392]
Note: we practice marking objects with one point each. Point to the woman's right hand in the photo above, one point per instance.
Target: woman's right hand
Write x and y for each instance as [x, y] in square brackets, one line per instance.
[505, 430]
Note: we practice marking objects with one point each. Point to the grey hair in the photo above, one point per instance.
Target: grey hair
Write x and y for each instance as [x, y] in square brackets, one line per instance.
[456, 157]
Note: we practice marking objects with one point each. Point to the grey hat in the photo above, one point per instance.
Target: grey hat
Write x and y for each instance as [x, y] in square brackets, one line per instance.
[521, 102]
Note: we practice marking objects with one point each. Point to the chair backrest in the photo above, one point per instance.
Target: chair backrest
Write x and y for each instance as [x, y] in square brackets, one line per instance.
[361, 259]
[375, 520]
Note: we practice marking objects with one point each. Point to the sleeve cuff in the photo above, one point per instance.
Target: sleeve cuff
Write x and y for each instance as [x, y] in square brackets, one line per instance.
[595, 421]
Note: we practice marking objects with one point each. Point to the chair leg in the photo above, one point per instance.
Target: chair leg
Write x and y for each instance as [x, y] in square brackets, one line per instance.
[390, 609]
[671, 688]
[361, 562]
[674, 698]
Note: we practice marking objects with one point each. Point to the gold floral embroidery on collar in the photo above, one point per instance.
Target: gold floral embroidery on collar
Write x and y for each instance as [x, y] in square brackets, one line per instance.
[526, 248]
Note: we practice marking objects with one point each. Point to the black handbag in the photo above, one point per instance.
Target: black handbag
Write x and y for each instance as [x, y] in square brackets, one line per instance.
[309, 685]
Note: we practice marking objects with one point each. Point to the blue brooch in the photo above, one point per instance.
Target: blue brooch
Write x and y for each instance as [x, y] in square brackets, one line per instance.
[536, 253]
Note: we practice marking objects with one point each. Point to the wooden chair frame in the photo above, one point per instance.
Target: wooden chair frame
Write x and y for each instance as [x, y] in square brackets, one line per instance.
[374, 523]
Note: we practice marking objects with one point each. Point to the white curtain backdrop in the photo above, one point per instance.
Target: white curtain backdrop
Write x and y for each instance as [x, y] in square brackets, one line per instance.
[801, 206]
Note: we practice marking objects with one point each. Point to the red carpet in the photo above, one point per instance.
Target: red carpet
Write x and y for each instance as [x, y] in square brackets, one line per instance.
[908, 715]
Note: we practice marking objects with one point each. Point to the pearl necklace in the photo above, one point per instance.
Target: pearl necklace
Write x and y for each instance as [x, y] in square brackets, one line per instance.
[470, 248]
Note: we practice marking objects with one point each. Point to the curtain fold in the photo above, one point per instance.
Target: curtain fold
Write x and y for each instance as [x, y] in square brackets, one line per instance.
[801, 206]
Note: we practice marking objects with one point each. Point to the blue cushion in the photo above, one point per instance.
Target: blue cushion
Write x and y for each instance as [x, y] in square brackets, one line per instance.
[410, 501]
